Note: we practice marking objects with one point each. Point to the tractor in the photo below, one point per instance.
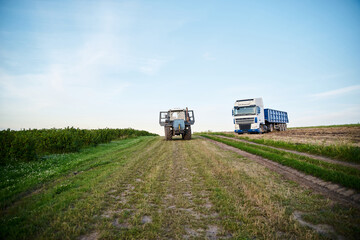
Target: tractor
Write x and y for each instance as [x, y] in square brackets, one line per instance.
[176, 122]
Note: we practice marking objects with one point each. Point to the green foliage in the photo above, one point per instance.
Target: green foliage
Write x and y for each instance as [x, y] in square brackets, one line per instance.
[30, 145]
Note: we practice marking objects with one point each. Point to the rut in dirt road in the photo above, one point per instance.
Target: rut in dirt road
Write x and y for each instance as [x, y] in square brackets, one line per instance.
[325, 159]
[331, 190]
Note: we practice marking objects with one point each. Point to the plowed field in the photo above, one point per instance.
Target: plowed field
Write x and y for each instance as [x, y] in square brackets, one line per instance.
[323, 135]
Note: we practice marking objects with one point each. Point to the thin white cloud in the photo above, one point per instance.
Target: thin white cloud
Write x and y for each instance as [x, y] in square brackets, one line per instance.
[337, 92]
[151, 66]
[208, 56]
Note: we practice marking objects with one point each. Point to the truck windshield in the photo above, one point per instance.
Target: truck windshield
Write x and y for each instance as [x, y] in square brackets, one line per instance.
[244, 111]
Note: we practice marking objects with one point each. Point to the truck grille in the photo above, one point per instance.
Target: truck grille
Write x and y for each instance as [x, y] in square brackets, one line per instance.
[244, 120]
[245, 126]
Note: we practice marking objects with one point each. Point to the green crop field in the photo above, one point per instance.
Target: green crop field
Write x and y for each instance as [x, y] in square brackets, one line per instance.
[32, 144]
[144, 187]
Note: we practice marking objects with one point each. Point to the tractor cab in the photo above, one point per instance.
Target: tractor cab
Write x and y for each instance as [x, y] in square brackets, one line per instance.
[177, 122]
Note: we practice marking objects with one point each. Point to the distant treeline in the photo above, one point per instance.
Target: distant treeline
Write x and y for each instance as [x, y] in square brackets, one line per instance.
[29, 145]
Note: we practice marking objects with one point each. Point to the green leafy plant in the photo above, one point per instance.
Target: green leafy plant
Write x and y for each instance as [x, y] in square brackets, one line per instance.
[30, 145]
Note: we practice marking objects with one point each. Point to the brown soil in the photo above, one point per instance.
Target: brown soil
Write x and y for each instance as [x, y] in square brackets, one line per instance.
[327, 136]
[330, 190]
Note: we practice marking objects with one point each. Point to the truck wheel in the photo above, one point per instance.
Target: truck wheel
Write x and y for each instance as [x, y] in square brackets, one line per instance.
[271, 127]
[168, 133]
[262, 129]
[285, 127]
[187, 134]
[282, 127]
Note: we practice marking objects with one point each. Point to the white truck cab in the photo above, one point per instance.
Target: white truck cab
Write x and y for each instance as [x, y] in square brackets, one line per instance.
[249, 115]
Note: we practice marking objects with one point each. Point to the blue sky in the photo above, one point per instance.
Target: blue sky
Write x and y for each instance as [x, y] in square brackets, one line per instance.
[96, 64]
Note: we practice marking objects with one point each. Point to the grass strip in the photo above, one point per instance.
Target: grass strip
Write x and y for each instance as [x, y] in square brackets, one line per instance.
[342, 152]
[308, 168]
[71, 205]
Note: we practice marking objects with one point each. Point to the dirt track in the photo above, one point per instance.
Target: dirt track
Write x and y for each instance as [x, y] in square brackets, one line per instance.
[331, 135]
[321, 158]
[331, 190]
[149, 188]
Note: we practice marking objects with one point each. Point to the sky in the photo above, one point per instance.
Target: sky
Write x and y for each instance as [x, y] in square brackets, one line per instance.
[117, 64]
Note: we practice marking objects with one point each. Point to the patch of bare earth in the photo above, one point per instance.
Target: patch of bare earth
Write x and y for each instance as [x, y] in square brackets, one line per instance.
[322, 229]
[91, 236]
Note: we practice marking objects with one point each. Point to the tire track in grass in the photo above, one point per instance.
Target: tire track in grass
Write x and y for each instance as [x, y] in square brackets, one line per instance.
[174, 205]
[131, 210]
[188, 210]
[233, 216]
[213, 225]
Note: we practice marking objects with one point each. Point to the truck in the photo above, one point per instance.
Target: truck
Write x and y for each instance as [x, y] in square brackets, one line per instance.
[177, 122]
[249, 116]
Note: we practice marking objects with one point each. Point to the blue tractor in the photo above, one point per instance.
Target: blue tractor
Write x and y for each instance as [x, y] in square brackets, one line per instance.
[177, 122]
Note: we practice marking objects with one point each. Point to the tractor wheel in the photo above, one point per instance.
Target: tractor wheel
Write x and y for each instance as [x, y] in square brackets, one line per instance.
[187, 134]
[168, 133]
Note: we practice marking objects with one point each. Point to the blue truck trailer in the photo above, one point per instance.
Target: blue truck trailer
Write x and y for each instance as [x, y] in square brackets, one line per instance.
[251, 117]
